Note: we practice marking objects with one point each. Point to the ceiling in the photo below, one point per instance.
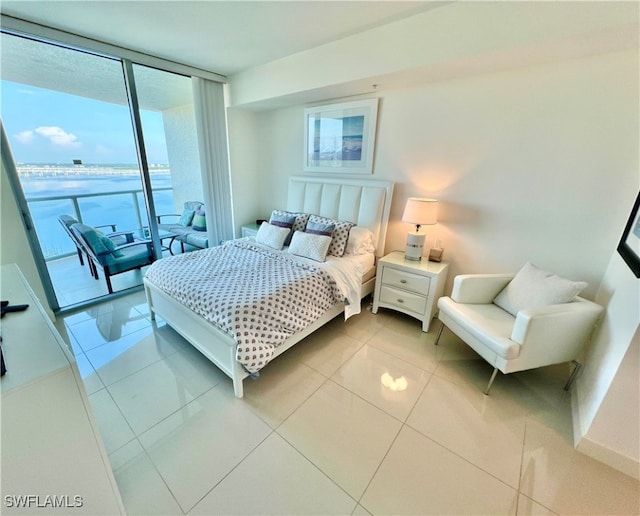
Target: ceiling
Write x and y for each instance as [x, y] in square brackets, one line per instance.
[223, 37]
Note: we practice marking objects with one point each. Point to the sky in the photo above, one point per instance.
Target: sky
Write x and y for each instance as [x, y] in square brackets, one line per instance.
[44, 126]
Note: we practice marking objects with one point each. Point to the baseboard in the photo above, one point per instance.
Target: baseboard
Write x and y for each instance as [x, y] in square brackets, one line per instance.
[596, 451]
[616, 460]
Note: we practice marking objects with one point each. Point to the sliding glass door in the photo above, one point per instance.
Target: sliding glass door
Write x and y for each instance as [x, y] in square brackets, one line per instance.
[167, 117]
[70, 128]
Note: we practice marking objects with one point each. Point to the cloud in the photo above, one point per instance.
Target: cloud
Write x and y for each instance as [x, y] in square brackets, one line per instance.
[24, 137]
[58, 136]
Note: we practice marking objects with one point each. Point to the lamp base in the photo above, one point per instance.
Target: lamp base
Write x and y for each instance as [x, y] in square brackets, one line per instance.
[415, 246]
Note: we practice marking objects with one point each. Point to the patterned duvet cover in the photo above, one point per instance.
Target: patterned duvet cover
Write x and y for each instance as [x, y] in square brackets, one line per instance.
[258, 296]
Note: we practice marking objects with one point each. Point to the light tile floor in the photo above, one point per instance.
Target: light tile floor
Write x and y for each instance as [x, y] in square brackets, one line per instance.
[319, 432]
[73, 283]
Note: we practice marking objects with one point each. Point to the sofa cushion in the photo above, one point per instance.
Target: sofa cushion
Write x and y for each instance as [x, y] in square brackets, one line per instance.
[197, 239]
[193, 205]
[186, 217]
[176, 229]
[534, 288]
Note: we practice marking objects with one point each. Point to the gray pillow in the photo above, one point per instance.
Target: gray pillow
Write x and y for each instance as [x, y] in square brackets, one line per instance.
[534, 288]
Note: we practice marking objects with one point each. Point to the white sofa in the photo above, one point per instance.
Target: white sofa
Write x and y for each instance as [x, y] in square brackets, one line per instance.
[534, 337]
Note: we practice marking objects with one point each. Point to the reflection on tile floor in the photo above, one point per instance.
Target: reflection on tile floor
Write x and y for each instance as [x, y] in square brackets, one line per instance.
[362, 417]
[73, 283]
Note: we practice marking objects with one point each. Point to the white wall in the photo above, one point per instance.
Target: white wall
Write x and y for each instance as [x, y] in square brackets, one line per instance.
[607, 394]
[529, 164]
[14, 246]
[182, 150]
[247, 166]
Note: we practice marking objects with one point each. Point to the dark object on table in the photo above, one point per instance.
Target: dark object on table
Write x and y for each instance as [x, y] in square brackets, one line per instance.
[6, 308]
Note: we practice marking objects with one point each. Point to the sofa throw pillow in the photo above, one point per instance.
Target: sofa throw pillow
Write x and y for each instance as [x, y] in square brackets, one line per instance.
[186, 217]
[199, 222]
[271, 236]
[532, 287]
[340, 233]
[283, 220]
[310, 245]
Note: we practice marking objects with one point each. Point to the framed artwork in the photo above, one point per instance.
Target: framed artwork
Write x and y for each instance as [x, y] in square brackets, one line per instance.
[629, 246]
[340, 137]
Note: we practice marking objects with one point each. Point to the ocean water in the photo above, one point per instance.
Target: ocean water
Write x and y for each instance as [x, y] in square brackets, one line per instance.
[106, 194]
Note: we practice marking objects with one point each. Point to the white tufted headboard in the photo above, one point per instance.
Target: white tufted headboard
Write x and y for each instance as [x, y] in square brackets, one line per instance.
[364, 201]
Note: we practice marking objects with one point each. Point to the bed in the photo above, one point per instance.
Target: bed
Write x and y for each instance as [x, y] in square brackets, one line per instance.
[364, 202]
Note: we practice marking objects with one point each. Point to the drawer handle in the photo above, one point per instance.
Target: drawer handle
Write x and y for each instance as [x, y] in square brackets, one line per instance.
[400, 300]
[403, 281]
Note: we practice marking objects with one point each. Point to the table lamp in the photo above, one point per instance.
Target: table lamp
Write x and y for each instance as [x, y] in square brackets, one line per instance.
[418, 211]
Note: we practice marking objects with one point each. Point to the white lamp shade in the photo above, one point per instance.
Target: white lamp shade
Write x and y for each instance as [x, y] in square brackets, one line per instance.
[420, 211]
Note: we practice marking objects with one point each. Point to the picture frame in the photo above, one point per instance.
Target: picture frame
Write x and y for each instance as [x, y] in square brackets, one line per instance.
[340, 138]
[629, 246]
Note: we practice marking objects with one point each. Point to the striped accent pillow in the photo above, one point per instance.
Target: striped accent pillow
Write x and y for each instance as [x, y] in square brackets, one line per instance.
[283, 221]
[340, 233]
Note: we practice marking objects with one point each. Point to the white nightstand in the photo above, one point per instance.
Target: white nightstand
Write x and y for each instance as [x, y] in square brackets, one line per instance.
[249, 230]
[409, 287]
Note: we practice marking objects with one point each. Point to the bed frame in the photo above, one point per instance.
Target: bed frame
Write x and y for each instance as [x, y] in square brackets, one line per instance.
[363, 201]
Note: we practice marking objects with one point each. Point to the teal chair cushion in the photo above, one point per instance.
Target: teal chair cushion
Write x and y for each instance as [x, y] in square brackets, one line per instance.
[130, 258]
[100, 244]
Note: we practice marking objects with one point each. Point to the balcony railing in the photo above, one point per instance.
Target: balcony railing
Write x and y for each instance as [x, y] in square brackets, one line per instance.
[124, 208]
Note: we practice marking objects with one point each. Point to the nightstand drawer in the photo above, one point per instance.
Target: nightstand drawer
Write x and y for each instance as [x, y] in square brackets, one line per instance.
[403, 299]
[406, 280]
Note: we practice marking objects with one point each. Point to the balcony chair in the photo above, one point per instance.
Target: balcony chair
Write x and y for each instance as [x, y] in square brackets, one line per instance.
[113, 259]
[519, 322]
[66, 221]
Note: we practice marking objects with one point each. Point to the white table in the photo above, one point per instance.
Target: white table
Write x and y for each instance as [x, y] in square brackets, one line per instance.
[411, 287]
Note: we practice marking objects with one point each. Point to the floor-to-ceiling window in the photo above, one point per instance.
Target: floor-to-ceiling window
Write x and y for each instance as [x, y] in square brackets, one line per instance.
[68, 122]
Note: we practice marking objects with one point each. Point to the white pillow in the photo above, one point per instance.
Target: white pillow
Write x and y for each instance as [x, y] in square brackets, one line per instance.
[310, 246]
[535, 288]
[360, 241]
[272, 236]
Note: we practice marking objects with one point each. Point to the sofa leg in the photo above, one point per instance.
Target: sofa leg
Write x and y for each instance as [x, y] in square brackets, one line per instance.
[493, 377]
[576, 369]
[439, 333]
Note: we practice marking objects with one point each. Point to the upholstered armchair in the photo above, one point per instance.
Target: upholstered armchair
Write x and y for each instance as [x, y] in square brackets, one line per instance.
[112, 259]
[518, 322]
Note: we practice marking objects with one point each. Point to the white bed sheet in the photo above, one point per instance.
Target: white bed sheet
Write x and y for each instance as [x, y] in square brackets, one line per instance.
[347, 271]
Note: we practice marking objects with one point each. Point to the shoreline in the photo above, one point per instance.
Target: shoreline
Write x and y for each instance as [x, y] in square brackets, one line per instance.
[110, 169]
